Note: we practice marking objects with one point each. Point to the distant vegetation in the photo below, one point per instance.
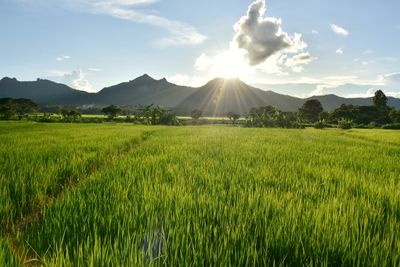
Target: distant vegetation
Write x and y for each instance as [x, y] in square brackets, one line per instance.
[311, 113]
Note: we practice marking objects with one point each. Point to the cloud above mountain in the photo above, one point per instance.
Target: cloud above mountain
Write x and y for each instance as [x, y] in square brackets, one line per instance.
[76, 79]
[262, 37]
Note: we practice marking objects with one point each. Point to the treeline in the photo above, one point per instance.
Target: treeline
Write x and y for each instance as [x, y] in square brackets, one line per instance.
[379, 114]
[313, 114]
[144, 114]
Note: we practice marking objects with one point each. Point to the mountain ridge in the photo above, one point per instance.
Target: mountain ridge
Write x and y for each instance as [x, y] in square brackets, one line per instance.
[214, 98]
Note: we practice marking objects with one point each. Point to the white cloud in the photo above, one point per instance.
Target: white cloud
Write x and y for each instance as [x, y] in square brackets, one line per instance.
[262, 37]
[75, 79]
[186, 80]
[62, 58]
[179, 33]
[339, 51]
[203, 62]
[339, 30]
[369, 51]
[94, 69]
[298, 61]
[315, 32]
[371, 92]
[259, 44]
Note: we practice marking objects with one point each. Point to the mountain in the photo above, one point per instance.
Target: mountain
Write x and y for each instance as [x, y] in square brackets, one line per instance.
[143, 90]
[43, 92]
[220, 96]
[215, 98]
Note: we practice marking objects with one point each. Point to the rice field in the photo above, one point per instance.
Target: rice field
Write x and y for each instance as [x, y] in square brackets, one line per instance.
[125, 195]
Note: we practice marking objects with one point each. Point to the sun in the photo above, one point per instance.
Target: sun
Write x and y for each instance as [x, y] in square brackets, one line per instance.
[229, 64]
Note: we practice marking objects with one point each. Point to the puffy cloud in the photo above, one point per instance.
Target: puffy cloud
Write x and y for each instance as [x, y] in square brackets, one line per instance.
[262, 37]
[203, 62]
[75, 79]
[339, 51]
[339, 30]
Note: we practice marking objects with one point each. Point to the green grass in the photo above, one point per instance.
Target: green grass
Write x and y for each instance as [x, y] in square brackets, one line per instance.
[204, 196]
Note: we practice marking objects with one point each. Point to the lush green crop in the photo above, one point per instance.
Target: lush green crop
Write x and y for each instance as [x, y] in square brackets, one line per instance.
[205, 196]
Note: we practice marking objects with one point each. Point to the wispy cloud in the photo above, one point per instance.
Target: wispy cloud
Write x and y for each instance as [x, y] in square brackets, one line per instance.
[339, 30]
[62, 58]
[94, 69]
[315, 32]
[179, 33]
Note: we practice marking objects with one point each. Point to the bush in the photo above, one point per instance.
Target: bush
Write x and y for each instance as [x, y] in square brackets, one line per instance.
[320, 125]
[345, 124]
[393, 126]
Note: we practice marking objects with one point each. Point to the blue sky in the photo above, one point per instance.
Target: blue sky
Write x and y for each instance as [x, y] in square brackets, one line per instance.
[301, 48]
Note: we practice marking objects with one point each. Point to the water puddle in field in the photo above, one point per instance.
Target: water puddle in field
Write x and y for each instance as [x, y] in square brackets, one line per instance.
[153, 245]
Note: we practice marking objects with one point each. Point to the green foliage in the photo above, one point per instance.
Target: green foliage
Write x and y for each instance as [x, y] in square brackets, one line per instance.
[271, 117]
[16, 107]
[111, 111]
[311, 110]
[232, 116]
[70, 115]
[156, 115]
[380, 100]
[320, 124]
[345, 124]
[393, 126]
[394, 115]
[196, 114]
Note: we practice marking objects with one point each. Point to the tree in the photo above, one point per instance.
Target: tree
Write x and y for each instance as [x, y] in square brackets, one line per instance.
[70, 115]
[154, 114]
[233, 116]
[324, 116]
[7, 108]
[394, 116]
[380, 100]
[310, 110]
[380, 103]
[10, 107]
[196, 114]
[25, 106]
[111, 111]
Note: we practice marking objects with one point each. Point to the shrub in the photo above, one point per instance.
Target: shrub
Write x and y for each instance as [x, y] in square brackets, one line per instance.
[320, 125]
[345, 124]
[392, 126]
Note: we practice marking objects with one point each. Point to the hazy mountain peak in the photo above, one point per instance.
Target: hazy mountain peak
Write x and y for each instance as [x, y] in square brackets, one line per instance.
[144, 78]
[222, 80]
[8, 79]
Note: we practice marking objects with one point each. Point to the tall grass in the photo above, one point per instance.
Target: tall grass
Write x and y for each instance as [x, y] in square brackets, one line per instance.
[39, 161]
[225, 196]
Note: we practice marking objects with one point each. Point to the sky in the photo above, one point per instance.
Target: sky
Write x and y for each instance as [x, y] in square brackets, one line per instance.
[299, 48]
